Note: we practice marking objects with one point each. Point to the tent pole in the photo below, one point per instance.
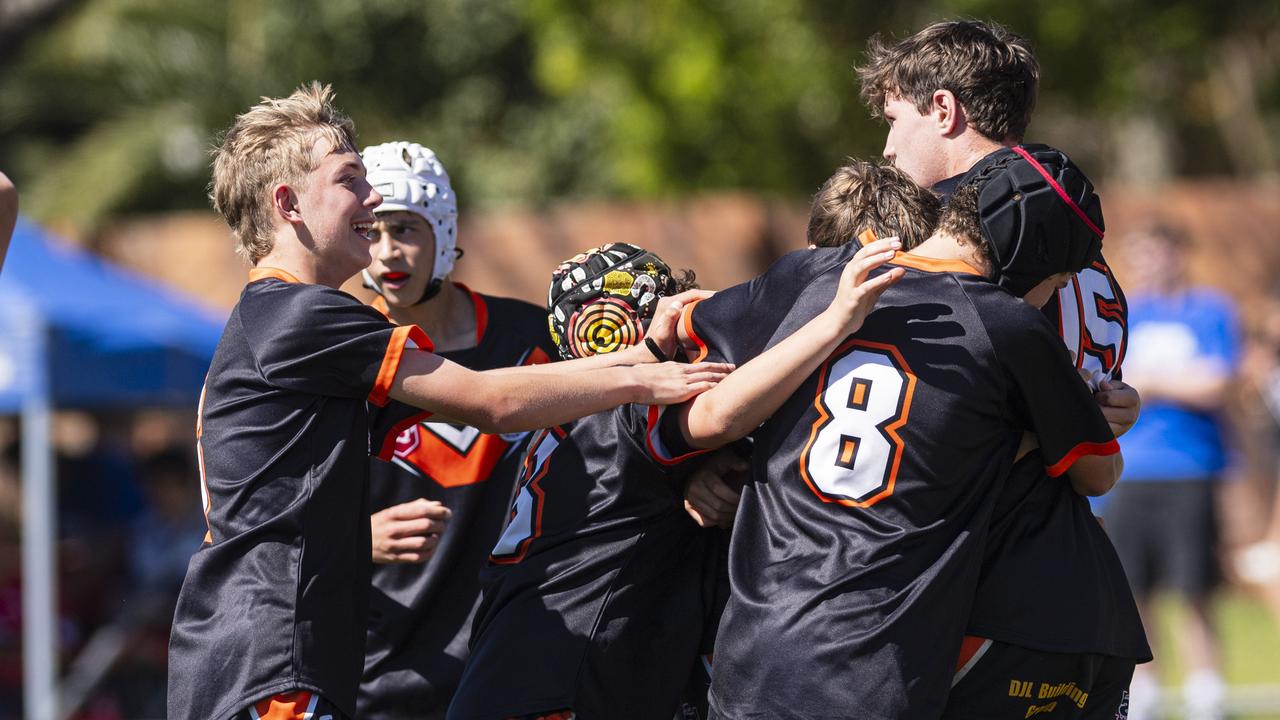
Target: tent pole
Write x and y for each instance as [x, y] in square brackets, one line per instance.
[39, 580]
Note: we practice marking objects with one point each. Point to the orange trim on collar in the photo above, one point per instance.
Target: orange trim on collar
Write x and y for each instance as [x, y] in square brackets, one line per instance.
[866, 237]
[262, 273]
[931, 264]
[481, 308]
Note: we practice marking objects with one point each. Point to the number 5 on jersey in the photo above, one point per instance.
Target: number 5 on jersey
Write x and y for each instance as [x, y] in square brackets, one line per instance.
[854, 450]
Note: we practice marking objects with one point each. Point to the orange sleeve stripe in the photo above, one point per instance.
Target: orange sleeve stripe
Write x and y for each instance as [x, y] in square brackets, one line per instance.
[391, 360]
[686, 317]
[655, 413]
[1111, 447]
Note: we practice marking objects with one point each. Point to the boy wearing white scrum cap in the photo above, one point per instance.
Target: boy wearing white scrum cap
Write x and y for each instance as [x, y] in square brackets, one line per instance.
[439, 505]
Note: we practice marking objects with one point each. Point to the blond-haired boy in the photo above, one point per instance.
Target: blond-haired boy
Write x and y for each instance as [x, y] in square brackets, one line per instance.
[271, 617]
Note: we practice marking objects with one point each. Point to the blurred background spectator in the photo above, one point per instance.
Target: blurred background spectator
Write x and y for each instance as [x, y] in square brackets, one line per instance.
[1258, 563]
[1162, 517]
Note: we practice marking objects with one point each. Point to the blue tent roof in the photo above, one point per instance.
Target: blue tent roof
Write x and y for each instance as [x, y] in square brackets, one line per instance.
[114, 338]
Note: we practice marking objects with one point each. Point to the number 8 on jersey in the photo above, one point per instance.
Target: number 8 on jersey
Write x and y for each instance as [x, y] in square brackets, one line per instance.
[854, 450]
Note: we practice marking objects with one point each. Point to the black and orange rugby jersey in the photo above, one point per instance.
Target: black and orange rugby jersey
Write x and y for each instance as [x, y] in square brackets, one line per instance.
[270, 600]
[856, 546]
[420, 615]
[595, 594]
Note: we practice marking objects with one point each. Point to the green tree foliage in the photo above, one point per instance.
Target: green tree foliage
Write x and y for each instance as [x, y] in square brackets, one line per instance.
[112, 107]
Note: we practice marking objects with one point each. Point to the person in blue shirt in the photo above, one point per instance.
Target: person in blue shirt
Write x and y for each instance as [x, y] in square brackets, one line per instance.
[1182, 355]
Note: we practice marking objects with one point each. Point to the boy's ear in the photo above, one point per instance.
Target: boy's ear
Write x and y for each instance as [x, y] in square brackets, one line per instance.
[947, 112]
[285, 202]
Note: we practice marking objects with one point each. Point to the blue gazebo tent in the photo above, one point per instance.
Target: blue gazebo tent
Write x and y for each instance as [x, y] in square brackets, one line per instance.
[113, 337]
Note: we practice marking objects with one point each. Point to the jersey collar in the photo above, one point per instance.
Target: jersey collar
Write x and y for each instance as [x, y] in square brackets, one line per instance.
[920, 262]
[477, 303]
[262, 273]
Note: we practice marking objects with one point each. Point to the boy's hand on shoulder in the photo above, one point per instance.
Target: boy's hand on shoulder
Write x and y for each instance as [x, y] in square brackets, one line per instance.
[669, 383]
[857, 295]
[666, 318]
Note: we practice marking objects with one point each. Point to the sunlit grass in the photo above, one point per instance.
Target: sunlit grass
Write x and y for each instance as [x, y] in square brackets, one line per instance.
[1250, 646]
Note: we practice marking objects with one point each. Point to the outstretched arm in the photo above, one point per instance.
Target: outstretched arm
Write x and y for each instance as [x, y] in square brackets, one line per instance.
[522, 399]
[756, 390]
[662, 330]
[8, 214]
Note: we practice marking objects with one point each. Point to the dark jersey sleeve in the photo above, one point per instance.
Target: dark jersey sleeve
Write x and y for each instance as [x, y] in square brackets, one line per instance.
[663, 440]
[1046, 392]
[313, 339]
[737, 324]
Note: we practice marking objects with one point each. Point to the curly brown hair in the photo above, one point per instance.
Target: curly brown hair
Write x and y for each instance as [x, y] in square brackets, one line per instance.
[961, 220]
[686, 279]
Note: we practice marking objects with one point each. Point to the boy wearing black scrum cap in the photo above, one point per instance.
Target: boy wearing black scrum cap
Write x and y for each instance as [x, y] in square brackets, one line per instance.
[1054, 631]
[857, 542]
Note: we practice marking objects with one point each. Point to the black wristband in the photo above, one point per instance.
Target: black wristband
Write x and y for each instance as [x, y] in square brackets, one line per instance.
[657, 351]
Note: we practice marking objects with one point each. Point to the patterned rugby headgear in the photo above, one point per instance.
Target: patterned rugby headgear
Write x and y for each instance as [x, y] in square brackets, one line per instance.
[599, 300]
[1039, 212]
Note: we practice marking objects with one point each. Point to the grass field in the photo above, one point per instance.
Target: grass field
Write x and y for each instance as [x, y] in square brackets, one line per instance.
[1251, 655]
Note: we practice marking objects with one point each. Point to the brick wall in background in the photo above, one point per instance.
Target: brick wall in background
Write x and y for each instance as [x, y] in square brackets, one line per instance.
[724, 238]
[730, 238]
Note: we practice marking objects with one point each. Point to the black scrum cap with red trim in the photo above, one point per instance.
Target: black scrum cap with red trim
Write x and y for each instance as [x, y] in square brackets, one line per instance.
[599, 300]
[1039, 212]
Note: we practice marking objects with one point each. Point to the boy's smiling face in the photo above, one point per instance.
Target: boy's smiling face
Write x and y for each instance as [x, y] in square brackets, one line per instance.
[335, 203]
